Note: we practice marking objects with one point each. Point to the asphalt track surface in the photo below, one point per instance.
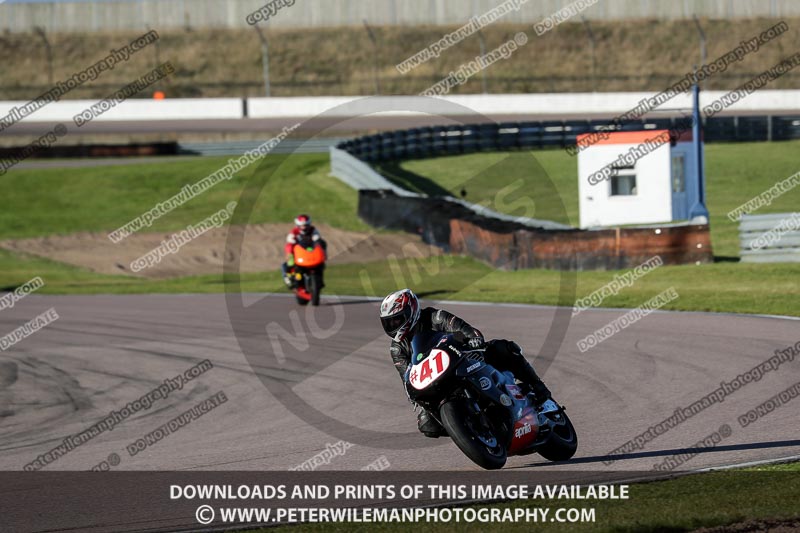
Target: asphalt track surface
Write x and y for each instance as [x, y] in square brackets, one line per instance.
[105, 351]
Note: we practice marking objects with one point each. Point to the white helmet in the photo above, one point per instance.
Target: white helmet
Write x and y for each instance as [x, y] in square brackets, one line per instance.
[399, 313]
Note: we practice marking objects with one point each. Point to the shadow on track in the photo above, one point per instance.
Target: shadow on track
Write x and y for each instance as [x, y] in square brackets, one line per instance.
[666, 453]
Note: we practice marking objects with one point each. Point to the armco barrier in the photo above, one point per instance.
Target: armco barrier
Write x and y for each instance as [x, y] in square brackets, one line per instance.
[773, 238]
[287, 146]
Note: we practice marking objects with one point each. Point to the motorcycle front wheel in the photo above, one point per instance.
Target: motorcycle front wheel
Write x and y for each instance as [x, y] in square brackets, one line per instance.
[471, 436]
[314, 287]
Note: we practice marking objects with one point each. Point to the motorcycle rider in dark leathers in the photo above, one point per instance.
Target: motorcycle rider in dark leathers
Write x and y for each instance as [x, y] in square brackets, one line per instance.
[402, 319]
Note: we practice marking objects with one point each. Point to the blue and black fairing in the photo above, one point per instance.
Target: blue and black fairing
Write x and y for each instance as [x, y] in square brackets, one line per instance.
[482, 378]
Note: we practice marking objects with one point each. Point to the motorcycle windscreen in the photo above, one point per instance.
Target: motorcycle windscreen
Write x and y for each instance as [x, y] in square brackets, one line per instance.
[424, 342]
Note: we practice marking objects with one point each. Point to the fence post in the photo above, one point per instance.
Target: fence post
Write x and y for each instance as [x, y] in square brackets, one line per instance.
[264, 58]
[376, 77]
[702, 35]
[592, 45]
[48, 51]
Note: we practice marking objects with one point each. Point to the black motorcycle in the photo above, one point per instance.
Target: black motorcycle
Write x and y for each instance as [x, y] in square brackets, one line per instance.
[484, 411]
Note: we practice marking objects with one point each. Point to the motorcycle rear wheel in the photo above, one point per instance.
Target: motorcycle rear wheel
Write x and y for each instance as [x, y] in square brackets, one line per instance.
[456, 419]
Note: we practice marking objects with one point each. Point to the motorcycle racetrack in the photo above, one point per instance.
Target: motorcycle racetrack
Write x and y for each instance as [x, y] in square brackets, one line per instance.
[106, 351]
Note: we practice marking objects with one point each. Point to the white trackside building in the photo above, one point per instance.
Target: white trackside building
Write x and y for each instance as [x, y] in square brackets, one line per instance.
[636, 177]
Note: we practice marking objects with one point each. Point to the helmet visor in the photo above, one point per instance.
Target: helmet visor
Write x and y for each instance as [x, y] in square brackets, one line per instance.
[392, 324]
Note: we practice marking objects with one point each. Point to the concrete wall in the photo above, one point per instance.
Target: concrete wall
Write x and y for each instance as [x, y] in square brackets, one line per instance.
[555, 105]
[135, 110]
[540, 103]
[511, 246]
[164, 14]
[606, 249]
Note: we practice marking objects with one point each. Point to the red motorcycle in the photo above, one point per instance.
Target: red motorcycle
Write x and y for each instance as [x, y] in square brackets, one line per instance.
[309, 262]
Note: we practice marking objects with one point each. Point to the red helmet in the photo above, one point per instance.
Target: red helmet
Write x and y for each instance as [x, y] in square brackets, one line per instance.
[302, 221]
[399, 313]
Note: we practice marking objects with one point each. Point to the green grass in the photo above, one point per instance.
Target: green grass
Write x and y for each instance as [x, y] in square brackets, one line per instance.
[41, 202]
[738, 172]
[682, 504]
[735, 173]
[721, 287]
[44, 202]
[541, 184]
[780, 467]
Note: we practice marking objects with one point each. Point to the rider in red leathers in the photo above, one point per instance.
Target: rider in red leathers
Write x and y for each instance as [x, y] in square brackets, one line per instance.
[303, 232]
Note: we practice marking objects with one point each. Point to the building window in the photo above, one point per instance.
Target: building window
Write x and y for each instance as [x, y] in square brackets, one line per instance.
[678, 173]
[623, 182]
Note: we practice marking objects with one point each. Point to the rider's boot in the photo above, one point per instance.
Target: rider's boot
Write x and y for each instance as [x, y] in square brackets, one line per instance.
[428, 425]
[540, 390]
[524, 372]
[287, 278]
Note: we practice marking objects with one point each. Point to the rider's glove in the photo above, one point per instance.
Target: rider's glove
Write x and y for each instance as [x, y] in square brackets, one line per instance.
[476, 343]
[290, 261]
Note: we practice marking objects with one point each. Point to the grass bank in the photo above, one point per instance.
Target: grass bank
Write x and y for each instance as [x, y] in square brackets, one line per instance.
[40, 202]
[722, 287]
[62, 201]
[637, 55]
